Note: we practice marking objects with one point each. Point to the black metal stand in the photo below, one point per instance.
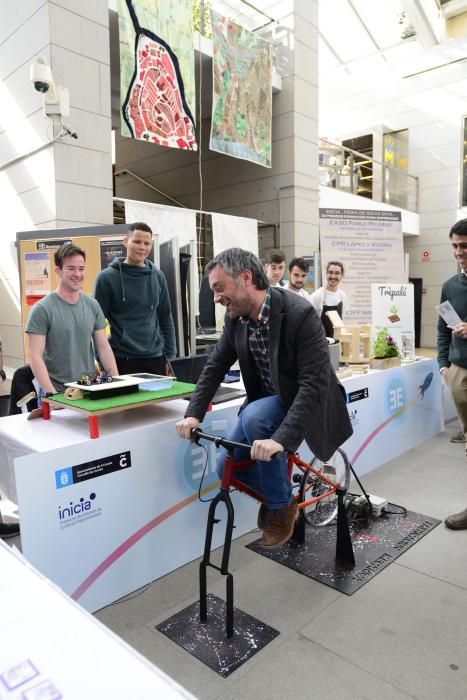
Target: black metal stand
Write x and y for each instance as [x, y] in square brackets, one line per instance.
[344, 549]
[298, 535]
[222, 496]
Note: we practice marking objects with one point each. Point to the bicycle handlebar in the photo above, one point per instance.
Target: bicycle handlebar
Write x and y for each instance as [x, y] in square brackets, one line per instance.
[197, 434]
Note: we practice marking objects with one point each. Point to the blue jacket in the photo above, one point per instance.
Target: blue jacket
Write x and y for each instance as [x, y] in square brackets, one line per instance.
[136, 302]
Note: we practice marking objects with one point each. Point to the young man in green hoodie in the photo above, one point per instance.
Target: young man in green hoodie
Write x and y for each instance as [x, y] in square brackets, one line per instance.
[134, 297]
[452, 342]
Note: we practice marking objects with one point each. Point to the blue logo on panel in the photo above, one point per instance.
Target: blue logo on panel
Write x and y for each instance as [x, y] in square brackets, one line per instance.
[396, 398]
[199, 461]
[63, 477]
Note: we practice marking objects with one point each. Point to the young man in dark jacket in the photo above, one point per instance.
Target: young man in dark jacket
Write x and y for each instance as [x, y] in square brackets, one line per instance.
[134, 297]
[292, 390]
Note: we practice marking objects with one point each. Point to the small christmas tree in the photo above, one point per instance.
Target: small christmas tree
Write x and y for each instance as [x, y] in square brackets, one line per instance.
[385, 345]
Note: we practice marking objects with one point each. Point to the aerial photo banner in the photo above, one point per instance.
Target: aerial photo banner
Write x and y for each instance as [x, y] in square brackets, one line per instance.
[157, 86]
[369, 244]
[242, 93]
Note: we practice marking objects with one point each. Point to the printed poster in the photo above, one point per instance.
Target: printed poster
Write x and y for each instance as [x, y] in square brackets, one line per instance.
[242, 93]
[310, 284]
[36, 274]
[157, 85]
[369, 244]
[393, 308]
[111, 248]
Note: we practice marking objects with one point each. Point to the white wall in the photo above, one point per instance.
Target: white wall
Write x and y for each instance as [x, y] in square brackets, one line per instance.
[431, 106]
[66, 184]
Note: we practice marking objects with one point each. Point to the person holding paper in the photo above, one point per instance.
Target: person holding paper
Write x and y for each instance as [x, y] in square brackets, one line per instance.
[452, 341]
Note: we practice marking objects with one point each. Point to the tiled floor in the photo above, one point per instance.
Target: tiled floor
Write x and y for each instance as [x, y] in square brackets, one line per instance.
[403, 635]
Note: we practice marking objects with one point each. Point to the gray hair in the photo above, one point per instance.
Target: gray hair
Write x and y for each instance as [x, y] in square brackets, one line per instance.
[234, 261]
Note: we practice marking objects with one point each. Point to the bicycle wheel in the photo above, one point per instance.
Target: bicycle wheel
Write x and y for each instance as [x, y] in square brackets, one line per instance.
[337, 470]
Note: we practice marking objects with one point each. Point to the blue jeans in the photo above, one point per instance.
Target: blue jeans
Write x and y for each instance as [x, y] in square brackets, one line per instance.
[258, 421]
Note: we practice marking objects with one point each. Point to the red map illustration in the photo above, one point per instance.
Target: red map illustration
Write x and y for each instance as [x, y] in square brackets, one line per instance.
[155, 109]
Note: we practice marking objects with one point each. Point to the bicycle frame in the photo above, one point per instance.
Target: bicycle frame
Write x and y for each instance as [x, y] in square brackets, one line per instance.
[293, 459]
[344, 549]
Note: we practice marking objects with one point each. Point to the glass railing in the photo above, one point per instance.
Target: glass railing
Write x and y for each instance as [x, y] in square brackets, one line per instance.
[350, 171]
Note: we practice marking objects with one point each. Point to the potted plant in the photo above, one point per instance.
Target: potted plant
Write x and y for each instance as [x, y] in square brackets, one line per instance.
[385, 351]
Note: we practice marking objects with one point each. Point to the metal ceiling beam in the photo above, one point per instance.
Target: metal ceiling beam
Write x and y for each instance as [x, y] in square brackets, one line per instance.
[364, 27]
[380, 52]
[332, 50]
[420, 23]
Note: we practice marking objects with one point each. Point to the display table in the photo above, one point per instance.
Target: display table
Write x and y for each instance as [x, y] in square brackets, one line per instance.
[51, 648]
[392, 411]
[104, 517]
[96, 407]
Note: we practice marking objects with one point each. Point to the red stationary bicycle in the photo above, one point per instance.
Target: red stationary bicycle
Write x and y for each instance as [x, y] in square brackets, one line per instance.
[322, 487]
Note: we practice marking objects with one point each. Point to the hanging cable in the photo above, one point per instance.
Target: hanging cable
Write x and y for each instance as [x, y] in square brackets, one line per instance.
[200, 120]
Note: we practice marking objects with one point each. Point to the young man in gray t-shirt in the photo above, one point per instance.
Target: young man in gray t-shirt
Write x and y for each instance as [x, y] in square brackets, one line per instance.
[63, 327]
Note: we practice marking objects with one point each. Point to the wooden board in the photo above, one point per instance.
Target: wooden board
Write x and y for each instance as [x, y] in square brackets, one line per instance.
[115, 404]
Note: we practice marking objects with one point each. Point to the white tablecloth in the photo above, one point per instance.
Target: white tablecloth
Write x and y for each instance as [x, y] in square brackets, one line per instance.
[20, 437]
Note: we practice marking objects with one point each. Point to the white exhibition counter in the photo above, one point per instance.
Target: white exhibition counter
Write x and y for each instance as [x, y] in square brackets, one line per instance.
[103, 517]
[52, 648]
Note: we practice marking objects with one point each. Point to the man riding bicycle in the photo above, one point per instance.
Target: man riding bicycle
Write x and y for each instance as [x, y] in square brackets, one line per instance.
[292, 391]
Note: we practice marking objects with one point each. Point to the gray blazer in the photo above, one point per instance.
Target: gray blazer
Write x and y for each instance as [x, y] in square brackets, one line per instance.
[300, 370]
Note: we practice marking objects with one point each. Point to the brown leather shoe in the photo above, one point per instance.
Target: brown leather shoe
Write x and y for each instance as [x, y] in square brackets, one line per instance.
[458, 521]
[280, 526]
[262, 516]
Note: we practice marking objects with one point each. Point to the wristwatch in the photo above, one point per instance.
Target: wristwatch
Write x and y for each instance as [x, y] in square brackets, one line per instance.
[2, 374]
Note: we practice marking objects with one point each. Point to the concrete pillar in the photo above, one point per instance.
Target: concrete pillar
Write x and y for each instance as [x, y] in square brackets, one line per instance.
[298, 63]
[67, 182]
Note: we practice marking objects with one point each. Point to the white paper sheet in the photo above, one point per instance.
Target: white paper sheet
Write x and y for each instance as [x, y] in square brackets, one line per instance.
[448, 313]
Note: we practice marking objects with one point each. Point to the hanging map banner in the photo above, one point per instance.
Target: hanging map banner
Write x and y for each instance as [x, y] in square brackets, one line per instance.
[369, 245]
[242, 93]
[157, 86]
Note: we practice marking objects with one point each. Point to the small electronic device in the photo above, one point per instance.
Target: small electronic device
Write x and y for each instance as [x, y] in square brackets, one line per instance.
[189, 369]
[146, 375]
[378, 504]
[357, 507]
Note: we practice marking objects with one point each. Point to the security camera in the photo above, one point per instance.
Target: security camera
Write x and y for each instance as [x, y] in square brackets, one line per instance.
[41, 76]
[56, 98]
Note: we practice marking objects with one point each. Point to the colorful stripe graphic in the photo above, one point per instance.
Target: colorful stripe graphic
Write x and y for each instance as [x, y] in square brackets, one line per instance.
[133, 539]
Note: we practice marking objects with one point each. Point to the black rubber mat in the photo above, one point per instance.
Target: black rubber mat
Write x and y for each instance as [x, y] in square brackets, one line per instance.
[207, 641]
[376, 544]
